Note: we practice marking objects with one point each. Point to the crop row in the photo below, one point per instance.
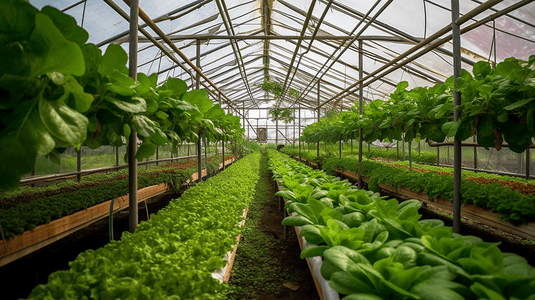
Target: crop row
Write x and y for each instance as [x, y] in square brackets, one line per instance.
[26, 216]
[171, 256]
[377, 248]
[425, 157]
[510, 205]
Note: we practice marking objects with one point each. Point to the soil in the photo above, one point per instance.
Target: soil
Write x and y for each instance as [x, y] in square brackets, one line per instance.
[267, 257]
[20, 277]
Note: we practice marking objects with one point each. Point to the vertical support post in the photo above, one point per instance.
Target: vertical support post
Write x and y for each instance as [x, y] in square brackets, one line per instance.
[299, 132]
[419, 150]
[197, 86]
[361, 97]
[318, 119]
[223, 151]
[397, 150]
[438, 156]
[157, 155]
[79, 164]
[520, 163]
[456, 101]
[340, 149]
[117, 156]
[276, 133]
[132, 145]
[475, 155]
[403, 146]
[410, 156]
[206, 145]
[528, 158]
[199, 157]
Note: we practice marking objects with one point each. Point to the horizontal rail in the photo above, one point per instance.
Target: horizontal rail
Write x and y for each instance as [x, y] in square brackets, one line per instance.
[63, 176]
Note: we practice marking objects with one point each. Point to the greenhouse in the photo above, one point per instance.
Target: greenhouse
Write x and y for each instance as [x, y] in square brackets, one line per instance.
[267, 149]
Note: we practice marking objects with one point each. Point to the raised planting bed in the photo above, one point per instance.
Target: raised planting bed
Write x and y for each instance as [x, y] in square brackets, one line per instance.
[325, 292]
[43, 235]
[378, 248]
[468, 211]
[172, 255]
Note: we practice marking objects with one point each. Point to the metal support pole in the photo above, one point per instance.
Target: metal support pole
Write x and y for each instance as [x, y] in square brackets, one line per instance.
[199, 157]
[456, 101]
[116, 156]
[527, 162]
[403, 146]
[361, 97]
[79, 164]
[206, 145]
[520, 163]
[410, 156]
[438, 156]
[419, 150]
[340, 149]
[397, 150]
[299, 132]
[276, 133]
[475, 155]
[157, 155]
[318, 119]
[197, 86]
[223, 150]
[132, 145]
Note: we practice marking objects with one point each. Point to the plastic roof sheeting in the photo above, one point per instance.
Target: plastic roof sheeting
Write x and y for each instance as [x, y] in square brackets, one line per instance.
[238, 67]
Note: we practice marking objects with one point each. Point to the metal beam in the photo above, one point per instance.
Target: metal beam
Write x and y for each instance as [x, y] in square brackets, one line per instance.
[428, 44]
[132, 145]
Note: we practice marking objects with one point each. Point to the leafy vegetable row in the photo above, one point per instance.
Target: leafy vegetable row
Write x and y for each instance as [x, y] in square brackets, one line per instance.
[510, 205]
[26, 216]
[496, 105]
[374, 248]
[426, 157]
[57, 90]
[171, 256]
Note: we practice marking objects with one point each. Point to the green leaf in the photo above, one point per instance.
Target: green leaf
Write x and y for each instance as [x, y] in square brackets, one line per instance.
[312, 234]
[346, 284]
[53, 53]
[76, 99]
[146, 149]
[362, 296]
[67, 25]
[518, 104]
[313, 251]
[115, 58]
[143, 125]
[199, 99]
[295, 221]
[159, 138]
[17, 20]
[132, 105]
[160, 114]
[20, 142]
[144, 84]
[63, 123]
[481, 69]
[450, 128]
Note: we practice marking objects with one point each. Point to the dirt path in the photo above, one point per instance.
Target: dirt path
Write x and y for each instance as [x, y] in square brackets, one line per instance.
[265, 260]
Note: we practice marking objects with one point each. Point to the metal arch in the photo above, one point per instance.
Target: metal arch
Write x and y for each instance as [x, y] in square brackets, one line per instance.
[432, 42]
[392, 30]
[227, 21]
[188, 7]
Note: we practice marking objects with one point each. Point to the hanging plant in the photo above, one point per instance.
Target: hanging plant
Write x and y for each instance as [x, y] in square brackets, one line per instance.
[279, 113]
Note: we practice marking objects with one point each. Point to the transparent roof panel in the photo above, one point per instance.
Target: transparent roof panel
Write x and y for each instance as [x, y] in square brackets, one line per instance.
[386, 29]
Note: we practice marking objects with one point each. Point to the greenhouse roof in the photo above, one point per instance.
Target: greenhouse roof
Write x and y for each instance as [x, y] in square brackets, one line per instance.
[308, 45]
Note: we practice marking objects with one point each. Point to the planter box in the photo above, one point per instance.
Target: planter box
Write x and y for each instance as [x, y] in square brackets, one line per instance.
[314, 264]
[43, 235]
